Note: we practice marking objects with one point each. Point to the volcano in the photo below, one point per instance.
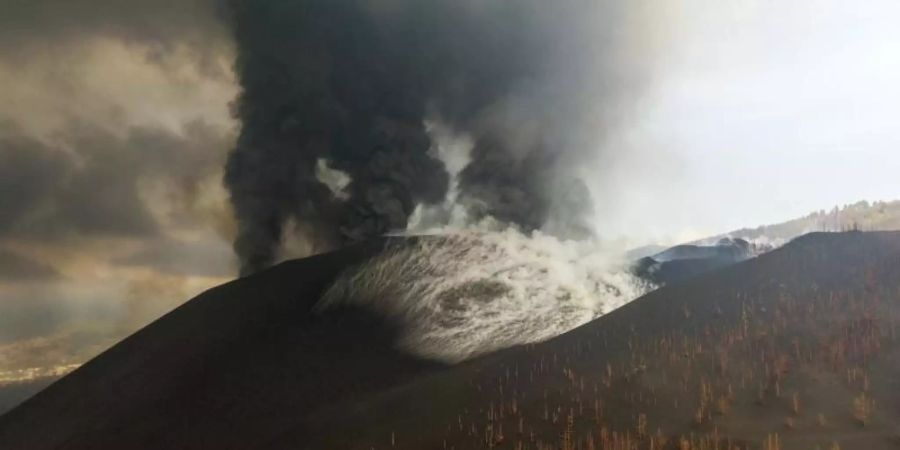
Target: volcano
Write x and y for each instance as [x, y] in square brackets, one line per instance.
[796, 348]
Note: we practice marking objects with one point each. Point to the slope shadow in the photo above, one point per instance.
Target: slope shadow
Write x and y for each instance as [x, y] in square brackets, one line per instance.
[249, 355]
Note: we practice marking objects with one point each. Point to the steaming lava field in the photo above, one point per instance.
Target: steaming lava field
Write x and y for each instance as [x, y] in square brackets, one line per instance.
[794, 349]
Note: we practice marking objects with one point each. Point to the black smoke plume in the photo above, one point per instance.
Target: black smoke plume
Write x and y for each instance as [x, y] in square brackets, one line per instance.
[351, 83]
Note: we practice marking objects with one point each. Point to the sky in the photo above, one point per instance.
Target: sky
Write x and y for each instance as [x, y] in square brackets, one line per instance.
[114, 126]
[762, 111]
[115, 123]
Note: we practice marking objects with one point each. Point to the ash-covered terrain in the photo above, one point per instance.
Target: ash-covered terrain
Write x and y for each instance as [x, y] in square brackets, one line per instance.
[794, 349]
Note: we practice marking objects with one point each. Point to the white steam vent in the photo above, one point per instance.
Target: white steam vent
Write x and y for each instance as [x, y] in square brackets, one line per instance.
[461, 295]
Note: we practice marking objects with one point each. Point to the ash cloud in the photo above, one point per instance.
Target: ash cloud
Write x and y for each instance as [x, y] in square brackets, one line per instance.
[16, 267]
[532, 83]
[86, 180]
[41, 28]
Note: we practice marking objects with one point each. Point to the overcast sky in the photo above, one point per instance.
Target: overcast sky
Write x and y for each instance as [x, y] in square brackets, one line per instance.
[763, 111]
[114, 125]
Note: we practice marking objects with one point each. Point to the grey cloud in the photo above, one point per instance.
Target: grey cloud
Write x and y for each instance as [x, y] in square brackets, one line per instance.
[86, 182]
[29, 315]
[15, 267]
[29, 171]
[54, 191]
[29, 27]
[208, 258]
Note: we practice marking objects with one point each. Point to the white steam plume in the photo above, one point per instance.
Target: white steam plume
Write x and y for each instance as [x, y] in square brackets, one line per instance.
[461, 295]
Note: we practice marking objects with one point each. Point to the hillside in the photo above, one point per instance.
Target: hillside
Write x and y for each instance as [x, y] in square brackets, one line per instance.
[238, 357]
[791, 350]
[877, 216]
[795, 349]
[12, 394]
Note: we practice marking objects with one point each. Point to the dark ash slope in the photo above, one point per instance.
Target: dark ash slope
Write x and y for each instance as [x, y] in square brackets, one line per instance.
[238, 363]
[800, 343]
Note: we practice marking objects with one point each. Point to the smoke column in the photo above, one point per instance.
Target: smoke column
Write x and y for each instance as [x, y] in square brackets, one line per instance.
[349, 85]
